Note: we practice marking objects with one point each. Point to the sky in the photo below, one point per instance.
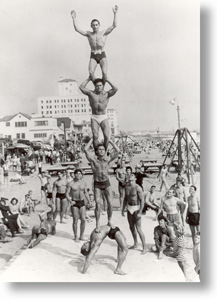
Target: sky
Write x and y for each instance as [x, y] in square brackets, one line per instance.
[153, 57]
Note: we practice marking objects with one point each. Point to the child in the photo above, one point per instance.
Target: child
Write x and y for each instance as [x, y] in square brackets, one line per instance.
[196, 253]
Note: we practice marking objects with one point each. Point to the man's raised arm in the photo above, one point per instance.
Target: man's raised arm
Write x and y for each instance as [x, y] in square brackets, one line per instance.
[83, 88]
[73, 14]
[109, 29]
[86, 148]
[116, 152]
[113, 90]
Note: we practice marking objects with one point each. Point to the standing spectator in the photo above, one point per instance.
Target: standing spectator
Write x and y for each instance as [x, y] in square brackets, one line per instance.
[163, 176]
[22, 163]
[193, 212]
[39, 166]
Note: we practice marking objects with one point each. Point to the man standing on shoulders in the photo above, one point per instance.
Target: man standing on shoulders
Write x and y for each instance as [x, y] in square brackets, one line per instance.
[98, 100]
[76, 194]
[134, 199]
[100, 167]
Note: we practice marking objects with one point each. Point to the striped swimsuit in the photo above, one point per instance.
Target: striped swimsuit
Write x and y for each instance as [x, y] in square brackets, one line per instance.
[179, 242]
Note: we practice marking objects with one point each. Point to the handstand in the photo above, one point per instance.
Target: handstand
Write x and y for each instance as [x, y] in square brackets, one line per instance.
[100, 167]
[90, 248]
[97, 40]
[98, 100]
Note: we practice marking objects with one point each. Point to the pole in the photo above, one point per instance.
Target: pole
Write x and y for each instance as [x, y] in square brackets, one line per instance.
[178, 113]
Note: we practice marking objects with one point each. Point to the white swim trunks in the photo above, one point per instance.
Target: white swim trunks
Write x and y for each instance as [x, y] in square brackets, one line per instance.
[99, 118]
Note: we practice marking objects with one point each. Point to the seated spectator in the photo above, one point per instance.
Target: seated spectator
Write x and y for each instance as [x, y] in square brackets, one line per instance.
[40, 232]
[163, 236]
[3, 237]
[8, 219]
[151, 201]
[30, 202]
[14, 206]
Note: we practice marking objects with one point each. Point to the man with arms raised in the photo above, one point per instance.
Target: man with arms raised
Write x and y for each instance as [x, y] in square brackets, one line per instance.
[97, 40]
[76, 194]
[134, 199]
[100, 167]
[59, 196]
[98, 102]
[90, 248]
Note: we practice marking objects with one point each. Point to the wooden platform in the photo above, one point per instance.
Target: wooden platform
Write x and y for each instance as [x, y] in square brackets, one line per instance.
[85, 169]
[71, 163]
[148, 160]
[152, 167]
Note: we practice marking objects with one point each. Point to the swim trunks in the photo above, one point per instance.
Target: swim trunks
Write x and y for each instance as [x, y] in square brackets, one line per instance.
[171, 218]
[61, 196]
[122, 184]
[78, 204]
[99, 118]
[98, 56]
[133, 208]
[112, 233]
[49, 195]
[193, 219]
[102, 185]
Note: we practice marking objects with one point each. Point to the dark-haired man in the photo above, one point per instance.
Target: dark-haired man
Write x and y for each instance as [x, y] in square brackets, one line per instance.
[77, 194]
[193, 212]
[97, 40]
[100, 167]
[98, 100]
[90, 248]
[59, 196]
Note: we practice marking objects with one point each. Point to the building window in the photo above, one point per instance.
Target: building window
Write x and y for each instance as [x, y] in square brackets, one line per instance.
[23, 135]
[42, 107]
[41, 123]
[20, 124]
[18, 136]
[8, 124]
[41, 101]
[46, 101]
[40, 135]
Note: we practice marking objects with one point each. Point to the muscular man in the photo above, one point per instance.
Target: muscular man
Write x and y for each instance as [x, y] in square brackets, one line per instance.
[98, 102]
[100, 167]
[193, 212]
[121, 177]
[76, 194]
[40, 232]
[49, 193]
[134, 199]
[90, 248]
[97, 40]
[151, 200]
[59, 196]
[163, 177]
[169, 204]
[43, 179]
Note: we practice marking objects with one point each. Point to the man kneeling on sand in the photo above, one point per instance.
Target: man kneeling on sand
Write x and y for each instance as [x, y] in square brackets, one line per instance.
[40, 232]
[90, 248]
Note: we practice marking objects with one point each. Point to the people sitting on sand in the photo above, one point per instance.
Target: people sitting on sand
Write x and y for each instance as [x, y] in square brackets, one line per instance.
[163, 237]
[30, 199]
[3, 237]
[40, 232]
[14, 206]
[9, 219]
[90, 248]
[151, 201]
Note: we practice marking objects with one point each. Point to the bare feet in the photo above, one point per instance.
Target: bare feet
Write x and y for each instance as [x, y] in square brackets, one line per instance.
[135, 246]
[76, 240]
[83, 239]
[119, 272]
[160, 255]
[110, 224]
[144, 251]
[97, 229]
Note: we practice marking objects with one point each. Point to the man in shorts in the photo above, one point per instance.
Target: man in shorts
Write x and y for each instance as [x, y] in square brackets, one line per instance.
[77, 196]
[98, 100]
[97, 40]
[100, 166]
[193, 212]
[59, 196]
[90, 248]
[134, 200]
[121, 177]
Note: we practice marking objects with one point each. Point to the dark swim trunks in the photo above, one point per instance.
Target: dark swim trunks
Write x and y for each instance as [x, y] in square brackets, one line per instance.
[122, 184]
[78, 204]
[112, 233]
[49, 195]
[98, 56]
[102, 185]
[43, 188]
[61, 196]
[193, 219]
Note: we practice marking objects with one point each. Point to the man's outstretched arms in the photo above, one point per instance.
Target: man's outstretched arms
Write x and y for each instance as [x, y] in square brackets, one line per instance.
[109, 29]
[73, 14]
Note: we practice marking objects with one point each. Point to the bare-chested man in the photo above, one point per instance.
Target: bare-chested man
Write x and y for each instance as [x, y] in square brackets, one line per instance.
[69, 178]
[134, 199]
[90, 248]
[49, 193]
[98, 102]
[100, 167]
[193, 212]
[97, 40]
[59, 196]
[121, 177]
[77, 194]
[169, 204]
